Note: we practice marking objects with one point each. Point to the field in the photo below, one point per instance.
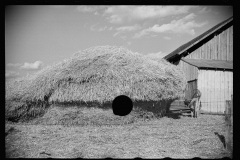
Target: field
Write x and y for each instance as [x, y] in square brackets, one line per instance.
[182, 137]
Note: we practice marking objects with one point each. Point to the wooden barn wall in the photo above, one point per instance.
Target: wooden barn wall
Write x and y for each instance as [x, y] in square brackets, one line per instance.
[216, 87]
[218, 48]
[191, 72]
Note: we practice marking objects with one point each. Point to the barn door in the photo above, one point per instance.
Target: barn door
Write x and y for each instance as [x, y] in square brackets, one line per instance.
[191, 86]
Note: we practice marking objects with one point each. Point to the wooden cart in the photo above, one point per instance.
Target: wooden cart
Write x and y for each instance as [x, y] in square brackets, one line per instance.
[188, 105]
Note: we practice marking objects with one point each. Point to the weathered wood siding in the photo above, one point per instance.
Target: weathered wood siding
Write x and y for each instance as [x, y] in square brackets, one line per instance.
[190, 71]
[218, 48]
[216, 87]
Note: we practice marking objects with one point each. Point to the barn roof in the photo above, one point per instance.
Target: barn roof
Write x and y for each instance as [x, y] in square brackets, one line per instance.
[196, 40]
[214, 64]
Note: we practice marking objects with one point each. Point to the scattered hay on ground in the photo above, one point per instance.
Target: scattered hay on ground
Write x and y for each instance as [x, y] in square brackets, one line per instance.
[176, 138]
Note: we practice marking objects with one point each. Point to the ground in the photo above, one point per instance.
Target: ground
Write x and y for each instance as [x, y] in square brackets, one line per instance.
[182, 137]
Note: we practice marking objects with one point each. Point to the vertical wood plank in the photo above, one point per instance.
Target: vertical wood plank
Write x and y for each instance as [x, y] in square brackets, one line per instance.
[205, 48]
[211, 49]
[208, 52]
[214, 56]
[201, 81]
[228, 97]
[220, 90]
[215, 47]
[222, 54]
[224, 86]
[231, 43]
[202, 87]
[222, 38]
[203, 52]
[219, 46]
[217, 89]
[214, 90]
[210, 89]
[227, 44]
[231, 83]
[198, 53]
[207, 91]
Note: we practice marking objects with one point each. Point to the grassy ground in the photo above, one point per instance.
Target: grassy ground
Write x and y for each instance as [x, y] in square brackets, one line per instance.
[182, 137]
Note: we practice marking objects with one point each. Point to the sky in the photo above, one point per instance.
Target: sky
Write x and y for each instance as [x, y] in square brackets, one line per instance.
[37, 36]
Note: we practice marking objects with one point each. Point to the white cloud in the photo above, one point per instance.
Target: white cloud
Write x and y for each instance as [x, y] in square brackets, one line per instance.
[181, 26]
[13, 64]
[92, 27]
[90, 8]
[168, 38]
[102, 28]
[11, 74]
[119, 14]
[126, 29]
[87, 8]
[32, 66]
[123, 37]
[110, 28]
[204, 10]
[129, 43]
[96, 13]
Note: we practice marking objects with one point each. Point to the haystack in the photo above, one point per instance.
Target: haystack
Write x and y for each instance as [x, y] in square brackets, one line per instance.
[98, 75]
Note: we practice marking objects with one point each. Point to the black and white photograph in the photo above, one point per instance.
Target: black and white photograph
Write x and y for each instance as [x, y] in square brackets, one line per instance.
[119, 81]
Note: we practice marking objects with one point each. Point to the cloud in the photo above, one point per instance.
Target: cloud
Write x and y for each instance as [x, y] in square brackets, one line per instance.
[87, 8]
[155, 55]
[32, 66]
[96, 13]
[203, 10]
[92, 27]
[168, 38]
[129, 43]
[123, 37]
[13, 64]
[90, 8]
[110, 28]
[11, 74]
[102, 28]
[126, 29]
[181, 26]
[120, 14]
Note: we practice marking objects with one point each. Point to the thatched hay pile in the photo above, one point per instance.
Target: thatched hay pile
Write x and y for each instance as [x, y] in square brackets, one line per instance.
[99, 74]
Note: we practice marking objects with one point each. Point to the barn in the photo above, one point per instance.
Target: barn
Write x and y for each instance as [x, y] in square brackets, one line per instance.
[207, 62]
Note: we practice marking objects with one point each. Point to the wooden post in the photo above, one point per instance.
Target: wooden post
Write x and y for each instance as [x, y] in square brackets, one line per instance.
[228, 120]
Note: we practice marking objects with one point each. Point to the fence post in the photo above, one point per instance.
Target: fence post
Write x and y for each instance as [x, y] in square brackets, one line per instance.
[229, 122]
